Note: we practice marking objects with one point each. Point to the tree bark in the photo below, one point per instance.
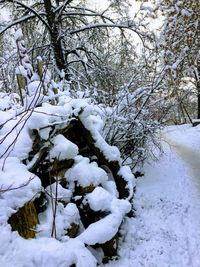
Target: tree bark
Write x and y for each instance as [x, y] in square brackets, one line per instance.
[113, 166]
[197, 78]
[56, 41]
[25, 220]
[198, 89]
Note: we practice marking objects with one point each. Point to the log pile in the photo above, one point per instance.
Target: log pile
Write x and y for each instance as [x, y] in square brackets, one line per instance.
[53, 173]
[25, 220]
[85, 191]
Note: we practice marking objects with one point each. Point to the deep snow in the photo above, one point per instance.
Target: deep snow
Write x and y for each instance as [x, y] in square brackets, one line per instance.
[166, 229]
[18, 186]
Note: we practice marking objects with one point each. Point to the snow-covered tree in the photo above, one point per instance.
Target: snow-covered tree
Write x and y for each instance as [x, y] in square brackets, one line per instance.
[70, 28]
[181, 40]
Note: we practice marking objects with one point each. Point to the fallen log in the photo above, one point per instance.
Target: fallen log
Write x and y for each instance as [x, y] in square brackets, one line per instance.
[25, 220]
[82, 136]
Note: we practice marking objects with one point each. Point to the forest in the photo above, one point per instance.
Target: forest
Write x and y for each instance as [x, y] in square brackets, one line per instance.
[99, 133]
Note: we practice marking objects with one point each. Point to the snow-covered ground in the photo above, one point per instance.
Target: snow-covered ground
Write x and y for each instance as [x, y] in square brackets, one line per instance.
[166, 229]
[21, 184]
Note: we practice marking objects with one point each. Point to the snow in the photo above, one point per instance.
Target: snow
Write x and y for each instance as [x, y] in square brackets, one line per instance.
[14, 130]
[196, 120]
[166, 229]
[107, 227]
[65, 216]
[185, 134]
[18, 34]
[34, 87]
[128, 176]
[86, 173]
[20, 126]
[15, 175]
[185, 12]
[47, 252]
[63, 148]
[110, 186]
[3, 104]
[26, 67]
[6, 102]
[85, 112]
[15, 250]
[99, 199]
[63, 194]
[21, 70]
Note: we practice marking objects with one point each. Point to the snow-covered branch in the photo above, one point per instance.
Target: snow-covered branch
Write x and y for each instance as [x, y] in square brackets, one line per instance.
[29, 8]
[125, 25]
[18, 21]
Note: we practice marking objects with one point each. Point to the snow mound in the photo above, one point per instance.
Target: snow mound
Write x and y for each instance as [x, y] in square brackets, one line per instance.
[86, 173]
[63, 148]
[54, 159]
[26, 135]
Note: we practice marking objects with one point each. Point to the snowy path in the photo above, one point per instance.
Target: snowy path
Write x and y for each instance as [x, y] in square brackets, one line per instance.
[191, 158]
[166, 230]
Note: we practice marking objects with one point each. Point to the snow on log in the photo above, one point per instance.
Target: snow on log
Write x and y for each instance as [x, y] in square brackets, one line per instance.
[59, 178]
[107, 227]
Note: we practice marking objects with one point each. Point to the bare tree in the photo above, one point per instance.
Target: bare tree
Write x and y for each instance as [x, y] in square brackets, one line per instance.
[69, 28]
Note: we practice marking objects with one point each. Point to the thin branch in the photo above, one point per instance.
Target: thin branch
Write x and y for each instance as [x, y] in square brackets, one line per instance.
[10, 188]
[31, 10]
[17, 21]
[61, 8]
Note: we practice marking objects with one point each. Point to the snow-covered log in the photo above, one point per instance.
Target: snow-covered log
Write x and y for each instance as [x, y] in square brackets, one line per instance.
[51, 146]
[59, 178]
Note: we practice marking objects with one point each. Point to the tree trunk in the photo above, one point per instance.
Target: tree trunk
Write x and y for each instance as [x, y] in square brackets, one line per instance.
[198, 88]
[56, 41]
[198, 101]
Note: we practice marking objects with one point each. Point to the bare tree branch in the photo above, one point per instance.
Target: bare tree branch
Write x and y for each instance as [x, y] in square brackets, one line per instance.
[18, 21]
[11, 188]
[105, 25]
[30, 9]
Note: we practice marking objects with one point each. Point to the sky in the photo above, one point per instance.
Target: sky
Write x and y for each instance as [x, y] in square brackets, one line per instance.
[104, 3]
[98, 4]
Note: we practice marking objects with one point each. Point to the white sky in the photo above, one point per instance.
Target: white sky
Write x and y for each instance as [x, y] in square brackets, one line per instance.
[4, 15]
[104, 3]
[98, 4]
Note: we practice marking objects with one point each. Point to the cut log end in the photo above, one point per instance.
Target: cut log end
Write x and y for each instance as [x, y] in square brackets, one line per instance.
[25, 220]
